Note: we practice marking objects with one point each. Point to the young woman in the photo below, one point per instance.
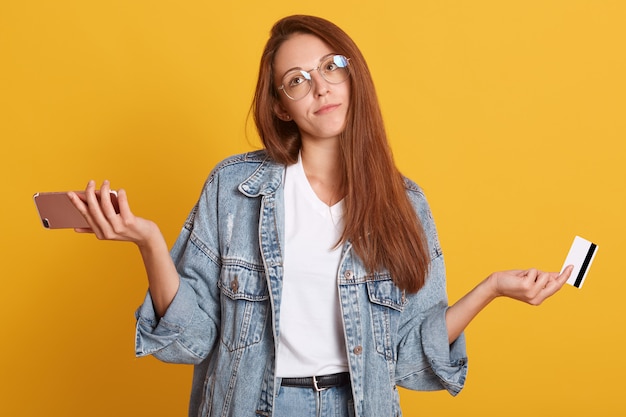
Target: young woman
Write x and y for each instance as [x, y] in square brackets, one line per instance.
[308, 280]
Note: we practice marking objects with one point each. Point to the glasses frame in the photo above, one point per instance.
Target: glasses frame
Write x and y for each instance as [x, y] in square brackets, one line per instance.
[309, 77]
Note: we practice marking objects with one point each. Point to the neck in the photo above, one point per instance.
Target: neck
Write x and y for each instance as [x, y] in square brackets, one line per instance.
[322, 166]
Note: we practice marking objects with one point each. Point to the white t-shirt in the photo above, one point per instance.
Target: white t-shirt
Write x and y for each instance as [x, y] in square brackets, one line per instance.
[311, 331]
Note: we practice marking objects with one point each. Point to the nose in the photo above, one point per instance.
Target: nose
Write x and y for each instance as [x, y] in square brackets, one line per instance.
[320, 85]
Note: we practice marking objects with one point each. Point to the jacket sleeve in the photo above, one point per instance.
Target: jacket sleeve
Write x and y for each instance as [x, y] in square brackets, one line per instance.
[190, 327]
[426, 361]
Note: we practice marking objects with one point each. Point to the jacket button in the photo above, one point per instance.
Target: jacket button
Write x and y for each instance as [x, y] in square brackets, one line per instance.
[358, 350]
[234, 284]
[348, 274]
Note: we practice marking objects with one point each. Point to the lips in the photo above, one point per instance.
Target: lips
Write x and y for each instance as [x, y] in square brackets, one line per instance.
[326, 109]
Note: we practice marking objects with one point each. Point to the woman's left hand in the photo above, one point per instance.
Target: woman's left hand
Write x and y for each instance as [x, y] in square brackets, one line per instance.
[531, 286]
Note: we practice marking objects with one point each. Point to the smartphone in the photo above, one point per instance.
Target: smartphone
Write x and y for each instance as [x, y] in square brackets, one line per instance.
[56, 211]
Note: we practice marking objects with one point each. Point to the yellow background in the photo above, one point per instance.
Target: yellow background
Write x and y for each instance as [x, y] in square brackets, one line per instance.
[510, 114]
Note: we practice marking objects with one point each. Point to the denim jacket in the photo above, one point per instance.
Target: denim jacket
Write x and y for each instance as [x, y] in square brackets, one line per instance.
[224, 318]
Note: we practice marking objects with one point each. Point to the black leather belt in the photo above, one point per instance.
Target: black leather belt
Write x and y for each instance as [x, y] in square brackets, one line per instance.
[318, 383]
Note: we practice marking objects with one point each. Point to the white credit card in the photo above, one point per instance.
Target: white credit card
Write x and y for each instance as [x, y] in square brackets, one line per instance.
[580, 255]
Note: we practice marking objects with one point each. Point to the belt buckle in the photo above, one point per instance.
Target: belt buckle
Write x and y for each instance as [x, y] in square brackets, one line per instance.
[316, 387]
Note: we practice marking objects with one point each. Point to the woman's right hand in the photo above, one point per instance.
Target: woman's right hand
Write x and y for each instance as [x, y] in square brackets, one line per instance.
[106, 223]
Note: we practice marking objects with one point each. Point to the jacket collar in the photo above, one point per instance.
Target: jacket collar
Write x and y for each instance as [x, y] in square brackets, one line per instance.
[265, 180]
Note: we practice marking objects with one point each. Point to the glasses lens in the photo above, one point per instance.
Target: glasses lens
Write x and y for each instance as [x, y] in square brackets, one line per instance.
[297, 84]
[335, 69]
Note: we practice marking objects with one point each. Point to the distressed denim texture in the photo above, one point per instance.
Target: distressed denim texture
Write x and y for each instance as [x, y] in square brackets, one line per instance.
[225, 317]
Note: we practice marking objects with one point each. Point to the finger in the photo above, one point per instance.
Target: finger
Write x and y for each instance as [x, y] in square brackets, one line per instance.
[534, 285]
[567, 272]
[106, 204]
[531, 274]
[555, 283]
[90, 197]
[96, 218]
[550, 289]
[77, 202]
[122, 202]
[542, 279]
[562, 277]
[80, 205]
[83, 230]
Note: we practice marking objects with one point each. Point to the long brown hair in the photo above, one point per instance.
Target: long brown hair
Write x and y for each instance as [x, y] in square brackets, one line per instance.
[380, 221]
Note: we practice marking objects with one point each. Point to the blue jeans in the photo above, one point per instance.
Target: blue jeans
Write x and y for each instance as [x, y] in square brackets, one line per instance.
[306, 402]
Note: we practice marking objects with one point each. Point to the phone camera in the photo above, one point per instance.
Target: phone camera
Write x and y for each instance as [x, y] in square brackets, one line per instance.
[46, 223]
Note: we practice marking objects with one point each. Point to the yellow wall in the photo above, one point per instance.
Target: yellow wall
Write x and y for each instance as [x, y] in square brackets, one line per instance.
[510, 114]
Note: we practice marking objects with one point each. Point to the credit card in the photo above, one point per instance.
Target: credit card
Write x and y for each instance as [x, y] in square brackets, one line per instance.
[581, 255]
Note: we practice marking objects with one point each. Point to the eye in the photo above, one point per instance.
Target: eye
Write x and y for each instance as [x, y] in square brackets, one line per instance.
[334, 63]
[330, 66]
[296, 78]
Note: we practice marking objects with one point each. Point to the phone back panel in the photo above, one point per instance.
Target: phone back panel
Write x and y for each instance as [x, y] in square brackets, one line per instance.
[56, 211]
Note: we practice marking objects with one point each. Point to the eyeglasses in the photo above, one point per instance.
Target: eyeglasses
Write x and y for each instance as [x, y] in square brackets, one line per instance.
[297, 83]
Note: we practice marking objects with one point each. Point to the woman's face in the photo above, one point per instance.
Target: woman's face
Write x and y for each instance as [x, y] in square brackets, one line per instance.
[321, 114]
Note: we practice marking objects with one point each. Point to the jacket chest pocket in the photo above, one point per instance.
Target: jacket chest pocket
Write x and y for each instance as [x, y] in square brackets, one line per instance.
[386, 304]
[245, 302]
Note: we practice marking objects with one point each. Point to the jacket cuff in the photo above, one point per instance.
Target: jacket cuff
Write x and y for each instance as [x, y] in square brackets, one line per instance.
[449, 365]
[154, 334]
